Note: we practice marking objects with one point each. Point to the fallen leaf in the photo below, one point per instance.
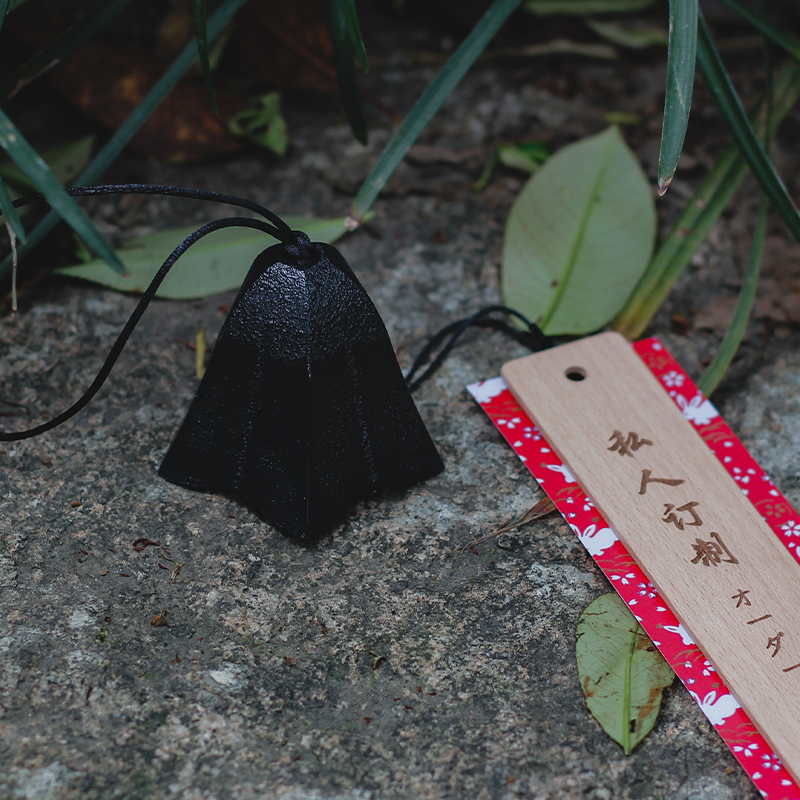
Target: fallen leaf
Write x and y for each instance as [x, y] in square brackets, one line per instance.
[217, 263]
[262, 123]
[544, 507]
[159, 620]
[579, 236]
[621, 672]
[107, 82]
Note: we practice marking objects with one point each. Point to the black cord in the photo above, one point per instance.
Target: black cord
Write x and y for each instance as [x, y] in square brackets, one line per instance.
[532, 338]
[282, 231]
[133, 320]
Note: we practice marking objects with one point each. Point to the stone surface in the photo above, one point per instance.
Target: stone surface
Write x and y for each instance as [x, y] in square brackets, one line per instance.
[377, 663]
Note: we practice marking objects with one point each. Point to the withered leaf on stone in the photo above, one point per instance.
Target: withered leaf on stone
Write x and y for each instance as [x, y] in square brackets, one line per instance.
[107, 82]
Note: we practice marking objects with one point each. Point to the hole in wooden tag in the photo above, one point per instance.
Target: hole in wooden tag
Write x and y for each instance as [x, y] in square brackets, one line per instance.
[575, 373]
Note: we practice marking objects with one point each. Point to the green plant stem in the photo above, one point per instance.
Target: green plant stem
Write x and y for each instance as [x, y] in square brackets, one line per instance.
[759, 21]
[201, 35]
[698, 217]
[428, 104]
[10, 213]
[4, 4]
[730, 107]
[744, 302]
[733, 336]
[41, 176]
[131, 126]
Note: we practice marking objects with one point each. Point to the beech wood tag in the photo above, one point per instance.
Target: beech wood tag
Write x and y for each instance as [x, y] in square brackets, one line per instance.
[701, 542]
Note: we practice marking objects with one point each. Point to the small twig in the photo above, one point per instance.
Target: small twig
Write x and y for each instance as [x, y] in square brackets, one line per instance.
[12, 238]
[544, 507]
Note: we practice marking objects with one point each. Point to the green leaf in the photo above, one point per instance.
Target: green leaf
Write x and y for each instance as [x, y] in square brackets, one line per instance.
[528, 156]
[29, 161]
[730, 107]
[354, 31]
[201, 36]
[759, 21]
[10, 213]
[680, 82]
[428, 104]
[219, 19]
[65, 162]
[636, 37]
[622, 674]
[715, 371]
[4, 4]
[343, 56]
[263, 123]
[584, 7]
[215, 264]
[579, 236]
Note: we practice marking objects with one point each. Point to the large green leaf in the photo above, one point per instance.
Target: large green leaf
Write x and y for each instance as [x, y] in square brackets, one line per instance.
[579, 236]
[621, 672]
[215, 264]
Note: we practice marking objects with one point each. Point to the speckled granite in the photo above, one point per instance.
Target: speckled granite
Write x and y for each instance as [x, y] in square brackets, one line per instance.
[378, 663]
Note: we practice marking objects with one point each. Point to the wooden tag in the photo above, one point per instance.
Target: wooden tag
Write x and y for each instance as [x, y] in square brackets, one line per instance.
[713, 559]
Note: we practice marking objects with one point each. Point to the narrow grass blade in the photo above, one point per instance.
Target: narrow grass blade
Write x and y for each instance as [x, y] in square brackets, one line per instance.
[201, 35]
[762, 24]
[29, 161]
[730, 107]
[583, 7]
[10, 213]
[4, 4]
[354, 31]
[733, 336]
[343, 57]
[216, 23]
[66, 44]
[428, 104]
[700, 214]
[680, 82]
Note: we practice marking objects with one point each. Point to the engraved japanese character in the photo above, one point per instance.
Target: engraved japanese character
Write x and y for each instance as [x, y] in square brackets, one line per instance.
[741, 597]
[625, 445]
[775, 642]
[647, 479]
[671, 516]
[710, 553]
[759, 619]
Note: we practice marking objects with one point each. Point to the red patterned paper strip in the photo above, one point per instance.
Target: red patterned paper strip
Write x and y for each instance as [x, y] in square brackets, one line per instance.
[715, 700]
